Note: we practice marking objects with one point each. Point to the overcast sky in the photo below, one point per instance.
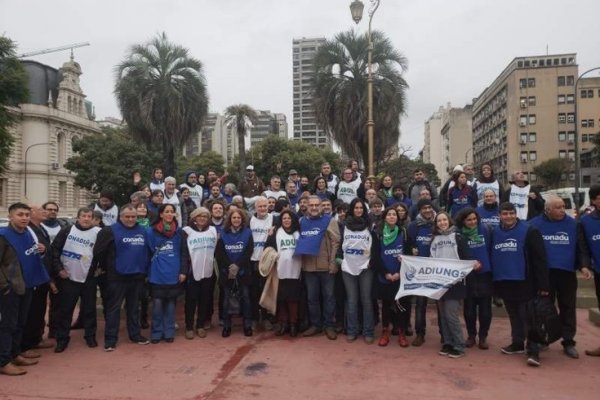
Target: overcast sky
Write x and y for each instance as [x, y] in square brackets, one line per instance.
[454, 48]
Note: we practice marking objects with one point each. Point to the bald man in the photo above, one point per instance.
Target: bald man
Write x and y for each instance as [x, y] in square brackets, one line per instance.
[563, 240]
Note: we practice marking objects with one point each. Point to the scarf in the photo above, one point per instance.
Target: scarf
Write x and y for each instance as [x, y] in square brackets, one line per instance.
[389, 235]
[472, 234]
[356, 224]
[166, 229]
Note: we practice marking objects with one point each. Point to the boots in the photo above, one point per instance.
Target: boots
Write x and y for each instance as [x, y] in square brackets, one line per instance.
[283, 329]
[293, 329]
[384, 340]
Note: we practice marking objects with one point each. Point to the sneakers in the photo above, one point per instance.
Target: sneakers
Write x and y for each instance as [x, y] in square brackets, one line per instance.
[483, 344]
[201, 332]
[533, 360]
[384, 340]
[331, 333]
[453, 353]
[189, 334]
[91, 342]
[445, 350]
[470, 342]
[402, 341]
[140, 340]
[109, 347]
[312, 331]
[369, 339]
[11, 369]
[513, 349]
[571, 351]
[418, 341]
[351, 338]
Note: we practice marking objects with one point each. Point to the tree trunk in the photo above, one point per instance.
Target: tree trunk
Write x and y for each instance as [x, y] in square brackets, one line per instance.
[169, 154]
[242, 151]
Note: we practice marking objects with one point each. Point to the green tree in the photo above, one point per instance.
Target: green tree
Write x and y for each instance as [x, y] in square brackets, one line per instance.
[340, 92]
[108, 161]
[13, 91]
[162, 95]
[210, 160]
[242, 116]
[402, 169]
[552, 171]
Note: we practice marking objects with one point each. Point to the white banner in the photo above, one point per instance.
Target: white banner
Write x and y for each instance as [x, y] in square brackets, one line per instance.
[430, 277]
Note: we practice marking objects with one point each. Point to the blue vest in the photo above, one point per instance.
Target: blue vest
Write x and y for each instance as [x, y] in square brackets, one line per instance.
[421, 235]
[481, 250]
[312, 232]
[591, 229]
[131, 254]
[166, 257]
[32, 269]
[236, 243]
[559, 241]
[389, 256]
[460, 200]
[489, 217]
[508, 253]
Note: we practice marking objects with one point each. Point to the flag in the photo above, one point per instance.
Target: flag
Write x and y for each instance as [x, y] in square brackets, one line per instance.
[431, 277]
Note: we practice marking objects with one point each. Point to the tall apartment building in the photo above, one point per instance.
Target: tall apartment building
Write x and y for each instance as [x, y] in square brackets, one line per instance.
[457, 138]
[588, 119]
[306, 128]
[526, 116]
[433, 145]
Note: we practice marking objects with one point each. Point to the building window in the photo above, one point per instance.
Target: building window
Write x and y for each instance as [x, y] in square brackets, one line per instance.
[562, 136]
[523, 156]
[532, 137]
[531, 82]
[570, 98]
[562, 154]
[562, 118]
[561, 81]
[523, 120]
[571, 176]
[561, 99]
[571, 154]
[522, 83]
[587, 94]
[62, 194]
[585, 137]
[523, 138]
[570, 80]
[531, 100]
[533, 155]
[531, 119]
[532, 177]
[571, 136]
[570, 118]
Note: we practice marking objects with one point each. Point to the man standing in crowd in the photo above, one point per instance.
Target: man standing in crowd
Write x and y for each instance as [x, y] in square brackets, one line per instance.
[520, 272]
[420, 182]
[350, 187]
[121, 249]
[172, 196]
[52, 224]
[291, 191]
[20, 260]
[72, 253]
[251, 185]
[527, 200]
[275, 188]
[196, 191]
[293, 177]
[106, 205]
[488, 211]
[331, 179]
[157, 183]
[318, 245]
[565, 245]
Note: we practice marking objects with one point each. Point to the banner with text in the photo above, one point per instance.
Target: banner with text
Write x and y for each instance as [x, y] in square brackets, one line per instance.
[430, 277]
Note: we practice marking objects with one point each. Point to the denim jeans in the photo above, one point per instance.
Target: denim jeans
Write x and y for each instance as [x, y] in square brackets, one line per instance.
[13, 316]
[245, 305]
[478, 308]
[517, 313]
[163, 318]
[320, 284]
[116, 292]
[450, 324]
[359, 287]
[420, 315]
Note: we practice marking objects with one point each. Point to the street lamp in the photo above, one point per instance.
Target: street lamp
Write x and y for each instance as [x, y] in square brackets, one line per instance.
[25, 166]
[577, 155]
[356, 9]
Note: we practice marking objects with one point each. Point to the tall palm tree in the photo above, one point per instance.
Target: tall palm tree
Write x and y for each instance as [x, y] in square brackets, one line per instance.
[242, 116]
[162, 95]
[339, 90]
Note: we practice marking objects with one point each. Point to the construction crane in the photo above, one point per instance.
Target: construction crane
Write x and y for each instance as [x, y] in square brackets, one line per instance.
[55, 49]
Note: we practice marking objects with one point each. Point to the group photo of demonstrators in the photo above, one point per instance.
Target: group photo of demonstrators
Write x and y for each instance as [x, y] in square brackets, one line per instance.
[300, 256]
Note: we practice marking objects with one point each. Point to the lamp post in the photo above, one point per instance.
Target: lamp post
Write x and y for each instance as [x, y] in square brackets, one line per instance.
[577, 155]
[25, 166]
[356, 9]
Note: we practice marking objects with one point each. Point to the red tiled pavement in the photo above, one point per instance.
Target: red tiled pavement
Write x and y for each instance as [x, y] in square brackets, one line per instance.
[267, 367]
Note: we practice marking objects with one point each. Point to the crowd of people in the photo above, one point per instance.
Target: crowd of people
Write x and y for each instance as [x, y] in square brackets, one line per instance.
[298, 256]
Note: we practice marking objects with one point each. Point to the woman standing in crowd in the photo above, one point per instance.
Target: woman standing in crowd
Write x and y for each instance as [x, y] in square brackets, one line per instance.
[166, 273]
[187, 205]
[143, 219]
[156, 200]
[142, 215]
[388, 246]
[460, 195]
[447, 243]
[199, 244]
[478, 303]
[357, 276]
[233, 253]
[485, 181]
[386, 191]
[284, 240]
[320, 189]
[403, 214]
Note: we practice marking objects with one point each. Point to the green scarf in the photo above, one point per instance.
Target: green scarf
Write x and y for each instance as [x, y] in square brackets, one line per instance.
[389, 235]
[472, 234]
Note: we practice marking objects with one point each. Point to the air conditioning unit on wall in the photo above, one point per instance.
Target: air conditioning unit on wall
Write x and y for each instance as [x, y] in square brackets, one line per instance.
[55, 165]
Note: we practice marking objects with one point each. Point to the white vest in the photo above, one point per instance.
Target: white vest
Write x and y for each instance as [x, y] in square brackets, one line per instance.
[332, 184]
[260, 232]
[356, 247]
[288, 266]
[348, 191]
[76, 255]
[201, 246]
[196, 193]
[483, 186]
[175, 201]
[277, 195]
[52, 231]
[157, 186]
[519, 197]
[110, 216]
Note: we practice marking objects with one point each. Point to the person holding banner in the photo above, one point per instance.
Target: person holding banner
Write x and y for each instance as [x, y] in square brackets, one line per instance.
[478, 302]
[520, 272]
[357, 276]
[446, 243]
[389, 244]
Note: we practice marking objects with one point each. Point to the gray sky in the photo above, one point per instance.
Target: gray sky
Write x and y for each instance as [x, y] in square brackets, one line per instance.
[454, 48]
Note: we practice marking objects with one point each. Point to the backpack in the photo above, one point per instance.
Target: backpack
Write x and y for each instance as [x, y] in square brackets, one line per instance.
[542, 318]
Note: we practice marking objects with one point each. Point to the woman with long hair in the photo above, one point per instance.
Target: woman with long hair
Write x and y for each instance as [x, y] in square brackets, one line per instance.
[486, 180]
[320, 189]
[461, 195]
[166, 272]
[233, 253]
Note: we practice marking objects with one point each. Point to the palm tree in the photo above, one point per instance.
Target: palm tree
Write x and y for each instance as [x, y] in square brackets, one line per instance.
[242, 116]
[162, 95]
[339, 90]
